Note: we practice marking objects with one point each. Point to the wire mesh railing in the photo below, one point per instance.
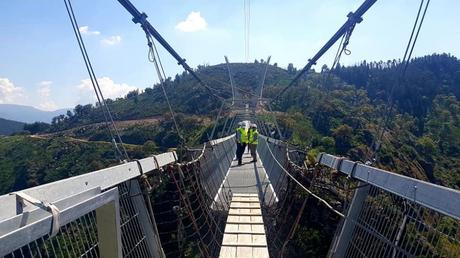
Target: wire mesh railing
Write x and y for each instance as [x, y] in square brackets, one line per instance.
[76, 239]
[190, 203]
[357, 210]
[102, 213]
[392, 215]
[156, 207]
[273, 157]
[391, 226]
[296, 225]
[176, 210]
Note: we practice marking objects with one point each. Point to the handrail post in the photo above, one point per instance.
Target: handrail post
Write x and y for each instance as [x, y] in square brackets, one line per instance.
[340, 245]
[109, 230]
[147, 225]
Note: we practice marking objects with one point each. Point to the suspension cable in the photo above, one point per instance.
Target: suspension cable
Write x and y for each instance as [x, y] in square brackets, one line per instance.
[263, 79]
[154, 57]
[97, 89]
[402, 72]
[343, 46]
[302, 186]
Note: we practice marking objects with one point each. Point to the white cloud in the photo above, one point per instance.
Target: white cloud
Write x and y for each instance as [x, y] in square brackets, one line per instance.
[193, 22]
[44, 89]
[10, 93]
[44, 93]
[48, 105]
[109, 88]
[86, 31]
[112, 40]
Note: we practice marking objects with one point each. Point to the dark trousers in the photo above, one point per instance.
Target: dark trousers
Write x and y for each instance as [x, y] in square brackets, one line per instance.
[240, 147]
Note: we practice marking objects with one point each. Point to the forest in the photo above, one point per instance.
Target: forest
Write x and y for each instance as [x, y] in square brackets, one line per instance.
[337, 111]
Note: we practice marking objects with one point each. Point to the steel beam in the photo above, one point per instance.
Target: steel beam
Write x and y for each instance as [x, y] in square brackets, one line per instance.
[353, 18]
[104, 178]
[439, 198]
[141, 18]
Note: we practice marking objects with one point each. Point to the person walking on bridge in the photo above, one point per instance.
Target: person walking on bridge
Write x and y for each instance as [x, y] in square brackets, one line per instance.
[241, 138]
[252, 141]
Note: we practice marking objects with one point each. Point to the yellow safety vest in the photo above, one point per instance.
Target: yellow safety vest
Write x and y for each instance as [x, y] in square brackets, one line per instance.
[253, 135]
[243, 134]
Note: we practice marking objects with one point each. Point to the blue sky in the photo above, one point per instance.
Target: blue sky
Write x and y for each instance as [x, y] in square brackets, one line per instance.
[40, 64]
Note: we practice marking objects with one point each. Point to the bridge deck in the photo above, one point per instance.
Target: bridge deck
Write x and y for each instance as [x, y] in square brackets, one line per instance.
[244, 234]
[251, 177]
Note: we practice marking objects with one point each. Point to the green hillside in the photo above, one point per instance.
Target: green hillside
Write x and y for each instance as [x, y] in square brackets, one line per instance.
[27, 161]
[335, 111]
[8, 127]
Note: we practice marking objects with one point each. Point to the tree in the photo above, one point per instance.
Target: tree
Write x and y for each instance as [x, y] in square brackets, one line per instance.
[132, 94]
[426, 145]
[328, 143]
[342, 135]
[37, 127]
[149, 147]
[291, 69]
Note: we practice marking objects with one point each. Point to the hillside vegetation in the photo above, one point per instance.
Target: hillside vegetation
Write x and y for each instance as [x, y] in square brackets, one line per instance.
[339, 112]
[8, 127]
[27, 161]
[334, 111]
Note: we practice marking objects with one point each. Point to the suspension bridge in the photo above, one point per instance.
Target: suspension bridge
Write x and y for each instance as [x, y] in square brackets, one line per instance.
[200, 203]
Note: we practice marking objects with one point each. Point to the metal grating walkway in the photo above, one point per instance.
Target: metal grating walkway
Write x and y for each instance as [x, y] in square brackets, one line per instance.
[251, 177]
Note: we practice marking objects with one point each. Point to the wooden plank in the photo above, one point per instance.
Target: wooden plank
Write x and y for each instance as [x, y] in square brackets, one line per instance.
[244, 234]
[243, 212]
[260, 252]
[242, 205]
[228, 252]
[244, 252]
[246, 194]
[245, 199]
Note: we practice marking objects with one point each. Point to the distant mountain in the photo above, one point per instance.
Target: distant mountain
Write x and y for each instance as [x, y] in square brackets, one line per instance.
[8, 127]
[27, 114]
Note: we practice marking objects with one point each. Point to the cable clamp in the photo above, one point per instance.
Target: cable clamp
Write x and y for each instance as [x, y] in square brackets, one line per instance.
[339, 164]
[352, 17]
[139, 166]
[353, 170]
[156, 162]
[140, 19]
[181, 62]
[44, 205]
[175, 156]
[320, 158]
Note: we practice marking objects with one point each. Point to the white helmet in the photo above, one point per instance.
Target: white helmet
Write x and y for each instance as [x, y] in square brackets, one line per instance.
[254, 125]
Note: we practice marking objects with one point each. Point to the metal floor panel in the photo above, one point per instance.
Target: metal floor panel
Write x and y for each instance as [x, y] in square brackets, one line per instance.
[250, 177]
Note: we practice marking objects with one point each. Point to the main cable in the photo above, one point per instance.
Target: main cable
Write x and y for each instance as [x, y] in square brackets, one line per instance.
[402, 68]
[302, 186]
[100, 97]
[154, 57]
[353, 19]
